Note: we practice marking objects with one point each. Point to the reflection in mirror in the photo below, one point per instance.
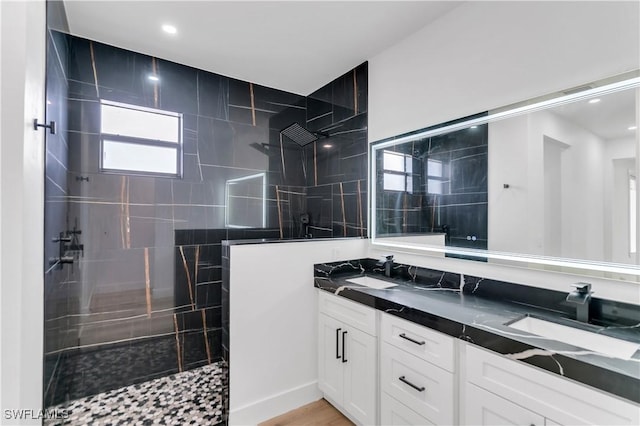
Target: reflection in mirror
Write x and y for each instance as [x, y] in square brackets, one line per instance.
[434, 190]
[246, 202]
[550, 183]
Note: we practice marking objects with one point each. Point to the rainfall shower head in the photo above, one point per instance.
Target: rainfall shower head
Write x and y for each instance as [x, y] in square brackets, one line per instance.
[300, 135]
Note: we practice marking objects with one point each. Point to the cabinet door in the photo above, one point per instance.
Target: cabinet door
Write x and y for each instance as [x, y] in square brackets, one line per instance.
[330, 370]
[486, 409]
[360, 375]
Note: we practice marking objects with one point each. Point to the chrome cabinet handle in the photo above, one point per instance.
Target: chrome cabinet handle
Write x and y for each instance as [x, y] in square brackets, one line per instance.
[404, 336]
[405, 381]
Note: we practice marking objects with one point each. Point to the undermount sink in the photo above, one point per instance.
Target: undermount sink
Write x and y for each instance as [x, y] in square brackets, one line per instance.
[576, 337]
[372, 282]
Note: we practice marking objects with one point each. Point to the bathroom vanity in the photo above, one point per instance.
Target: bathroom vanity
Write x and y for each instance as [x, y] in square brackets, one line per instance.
[433, 347]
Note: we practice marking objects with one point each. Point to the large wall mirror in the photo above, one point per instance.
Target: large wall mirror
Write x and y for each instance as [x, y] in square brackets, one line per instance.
[550, 183]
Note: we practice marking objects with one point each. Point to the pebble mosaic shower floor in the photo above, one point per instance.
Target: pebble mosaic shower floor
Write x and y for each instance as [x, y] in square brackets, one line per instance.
[194, 397]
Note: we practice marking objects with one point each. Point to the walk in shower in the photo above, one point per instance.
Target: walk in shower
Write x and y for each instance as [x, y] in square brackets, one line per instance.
[152, 165]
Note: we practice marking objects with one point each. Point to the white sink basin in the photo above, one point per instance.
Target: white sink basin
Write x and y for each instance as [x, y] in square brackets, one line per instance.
[573, 336]
[371, 282]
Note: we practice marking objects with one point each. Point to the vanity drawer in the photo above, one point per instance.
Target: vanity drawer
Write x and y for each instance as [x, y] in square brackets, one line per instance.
[421, 386]
[394, 413]
[432, 346]
[562, 400]
[352, 313]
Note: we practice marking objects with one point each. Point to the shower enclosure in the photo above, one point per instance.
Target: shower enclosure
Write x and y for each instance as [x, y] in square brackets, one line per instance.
[151, 166]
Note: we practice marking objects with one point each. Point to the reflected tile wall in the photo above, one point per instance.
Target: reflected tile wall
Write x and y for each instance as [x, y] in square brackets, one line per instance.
[150, 275]
[464, 206]
[461, 205]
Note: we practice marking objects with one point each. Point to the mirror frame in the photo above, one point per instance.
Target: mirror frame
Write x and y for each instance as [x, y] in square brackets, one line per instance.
[626, 81]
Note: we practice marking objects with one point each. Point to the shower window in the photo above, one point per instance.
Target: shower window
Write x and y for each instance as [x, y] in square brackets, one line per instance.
[435, 177]
[137, 140]
[398, 169]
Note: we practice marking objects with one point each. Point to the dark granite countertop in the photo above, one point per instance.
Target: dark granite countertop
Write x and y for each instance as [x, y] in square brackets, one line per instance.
[459, 306]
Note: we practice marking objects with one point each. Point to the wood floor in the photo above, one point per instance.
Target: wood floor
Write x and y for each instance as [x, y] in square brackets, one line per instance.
[316, 413]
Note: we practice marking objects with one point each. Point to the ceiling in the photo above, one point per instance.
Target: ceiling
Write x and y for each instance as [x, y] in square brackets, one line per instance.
[296, 46]
[610, 118]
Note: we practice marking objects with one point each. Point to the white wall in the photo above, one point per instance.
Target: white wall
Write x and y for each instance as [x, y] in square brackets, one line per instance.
[484, 55]
[553, 195]
[508, 220]
[273, 325]
[618, 160]
[582, 185]
[519, 217]
[22, 38]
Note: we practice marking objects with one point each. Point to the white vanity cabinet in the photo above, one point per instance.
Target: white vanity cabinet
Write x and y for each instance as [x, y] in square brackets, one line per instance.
[498, 390]
[424, 377]
[348, 362]
[417, 380]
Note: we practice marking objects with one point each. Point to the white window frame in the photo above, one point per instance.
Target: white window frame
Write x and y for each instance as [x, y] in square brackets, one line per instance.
[133, 140]
[436, 178]
[407, 176]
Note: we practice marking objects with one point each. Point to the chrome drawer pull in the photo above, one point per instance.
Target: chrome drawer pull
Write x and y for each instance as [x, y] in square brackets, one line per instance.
[404, 336]
[405, 381]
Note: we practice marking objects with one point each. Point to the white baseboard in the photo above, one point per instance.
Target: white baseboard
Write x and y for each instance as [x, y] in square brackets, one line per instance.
[275, 405]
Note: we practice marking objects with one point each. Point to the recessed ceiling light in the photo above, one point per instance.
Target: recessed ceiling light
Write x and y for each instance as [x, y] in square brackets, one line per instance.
[327, 145]
[594, 101]
[169, 29]
[632, 127]
[153, 77]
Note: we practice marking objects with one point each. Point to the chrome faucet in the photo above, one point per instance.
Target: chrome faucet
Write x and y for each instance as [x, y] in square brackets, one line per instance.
[387, 262]
[581, 296]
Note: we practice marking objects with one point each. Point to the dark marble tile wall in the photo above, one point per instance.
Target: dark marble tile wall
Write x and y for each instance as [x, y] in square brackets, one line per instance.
[460, 209]
[61, 289]
[198, 280]
[336, 164]
[147, 273]
[130, 282]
